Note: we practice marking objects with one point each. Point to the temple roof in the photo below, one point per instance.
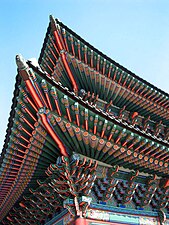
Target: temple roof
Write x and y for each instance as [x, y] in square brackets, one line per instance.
[65, 105]
[90, 46]
[77, 49]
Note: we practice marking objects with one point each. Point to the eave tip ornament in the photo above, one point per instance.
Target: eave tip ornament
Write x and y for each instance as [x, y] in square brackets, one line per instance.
[21, 62]
[53, 23]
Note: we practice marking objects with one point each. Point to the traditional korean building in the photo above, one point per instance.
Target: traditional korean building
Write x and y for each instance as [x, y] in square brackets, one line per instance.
[87, 140]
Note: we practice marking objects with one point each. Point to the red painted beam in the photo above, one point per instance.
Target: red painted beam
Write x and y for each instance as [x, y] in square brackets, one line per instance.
[61, 49]
[39, 104]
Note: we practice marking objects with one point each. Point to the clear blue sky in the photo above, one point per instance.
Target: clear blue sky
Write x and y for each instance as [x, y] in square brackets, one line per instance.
[135, 33]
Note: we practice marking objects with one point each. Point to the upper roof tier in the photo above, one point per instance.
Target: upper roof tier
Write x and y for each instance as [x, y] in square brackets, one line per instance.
[91, 70]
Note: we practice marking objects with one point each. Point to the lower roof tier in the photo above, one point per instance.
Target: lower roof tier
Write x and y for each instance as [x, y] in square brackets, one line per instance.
[102, 136]
[48, 120]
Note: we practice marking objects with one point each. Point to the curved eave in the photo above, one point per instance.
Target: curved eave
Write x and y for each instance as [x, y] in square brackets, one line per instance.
[93, 109]
[23, 163]
[11, 116]
[99, 53]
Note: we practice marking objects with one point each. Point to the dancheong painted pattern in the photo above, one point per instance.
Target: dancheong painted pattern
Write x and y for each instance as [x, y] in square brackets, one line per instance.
[87, 140]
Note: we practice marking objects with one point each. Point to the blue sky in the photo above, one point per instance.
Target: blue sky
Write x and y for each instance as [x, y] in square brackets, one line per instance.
[135, 33]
